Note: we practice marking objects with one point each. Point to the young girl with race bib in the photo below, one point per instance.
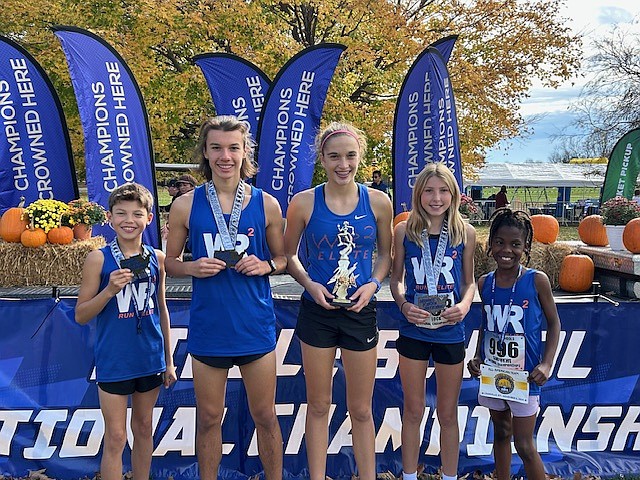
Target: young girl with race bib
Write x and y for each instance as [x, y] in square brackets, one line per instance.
[433, 285]
[510, 358]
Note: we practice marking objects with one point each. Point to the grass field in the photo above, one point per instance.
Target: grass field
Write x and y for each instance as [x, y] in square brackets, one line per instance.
[543, 194]
[566, 232]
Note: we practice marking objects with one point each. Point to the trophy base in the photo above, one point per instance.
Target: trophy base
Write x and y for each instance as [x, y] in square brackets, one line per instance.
[341, 302]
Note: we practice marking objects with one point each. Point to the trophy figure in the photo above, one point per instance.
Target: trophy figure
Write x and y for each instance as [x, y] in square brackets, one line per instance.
[343, 276]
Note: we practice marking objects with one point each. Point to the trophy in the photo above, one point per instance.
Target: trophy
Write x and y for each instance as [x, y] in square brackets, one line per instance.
[343, 276]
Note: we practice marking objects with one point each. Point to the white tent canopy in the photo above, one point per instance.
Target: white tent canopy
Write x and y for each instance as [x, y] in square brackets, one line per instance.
[538, 175]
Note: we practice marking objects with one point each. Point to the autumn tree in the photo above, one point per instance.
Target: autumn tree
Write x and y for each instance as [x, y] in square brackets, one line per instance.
[608, 105]
[503, 46]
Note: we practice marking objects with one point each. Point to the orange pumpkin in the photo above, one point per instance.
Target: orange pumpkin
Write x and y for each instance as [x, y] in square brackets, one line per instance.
[631, 236]
[401, 217]
[12, 225]
[592, 231]
[576, 273]
[33, 237]
[60, 235]
[545, 228]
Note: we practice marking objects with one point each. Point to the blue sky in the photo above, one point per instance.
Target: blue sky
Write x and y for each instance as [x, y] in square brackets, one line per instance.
[546, 112]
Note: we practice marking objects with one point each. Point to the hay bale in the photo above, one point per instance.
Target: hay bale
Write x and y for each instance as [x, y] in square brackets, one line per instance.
[546, 258]
[48, 265]
[483, 263]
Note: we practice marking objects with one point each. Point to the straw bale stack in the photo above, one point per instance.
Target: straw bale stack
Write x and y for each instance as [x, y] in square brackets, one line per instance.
[48, 265]
[547, 258]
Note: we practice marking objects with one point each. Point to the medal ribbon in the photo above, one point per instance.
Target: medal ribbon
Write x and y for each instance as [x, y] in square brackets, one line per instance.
[228, 234]
[503, 332]
[118, 256]
[432, 268]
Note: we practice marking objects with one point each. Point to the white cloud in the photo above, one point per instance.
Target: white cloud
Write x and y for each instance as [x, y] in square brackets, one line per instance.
[546, 110]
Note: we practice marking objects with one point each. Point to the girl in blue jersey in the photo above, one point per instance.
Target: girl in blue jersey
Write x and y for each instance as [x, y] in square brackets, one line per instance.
[342, 222]
[133, 342]
[516, 301]
[433, 285]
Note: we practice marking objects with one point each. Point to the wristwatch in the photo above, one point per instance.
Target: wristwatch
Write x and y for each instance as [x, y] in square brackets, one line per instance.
[273, 266]
[377, 282]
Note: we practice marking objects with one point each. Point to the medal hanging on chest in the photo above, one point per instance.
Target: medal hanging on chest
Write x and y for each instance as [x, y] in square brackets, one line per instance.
[228, 234]
[432, 301]
[139, 266]
[432, 268]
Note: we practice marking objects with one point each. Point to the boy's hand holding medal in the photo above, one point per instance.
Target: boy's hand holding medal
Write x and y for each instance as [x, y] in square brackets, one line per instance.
[137, 264]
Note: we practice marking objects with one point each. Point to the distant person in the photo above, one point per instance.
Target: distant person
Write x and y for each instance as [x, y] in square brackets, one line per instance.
[501, 197]
[185, 184]
[636, 196]
[172, 189]
[378, 184]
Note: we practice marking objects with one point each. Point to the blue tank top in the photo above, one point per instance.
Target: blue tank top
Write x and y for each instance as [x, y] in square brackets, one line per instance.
[121, 352]
[321, 235]
[526, 316]
[231, 314]
[449, 282]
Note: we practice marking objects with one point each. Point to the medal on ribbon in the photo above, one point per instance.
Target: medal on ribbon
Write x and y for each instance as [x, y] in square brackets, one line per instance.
[432, 301]
[228, 234]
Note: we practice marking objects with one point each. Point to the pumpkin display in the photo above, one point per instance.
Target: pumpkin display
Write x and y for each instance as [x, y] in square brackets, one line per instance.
[545, 228]
[576, 273]
[401, 217]
[60, 235]
[12, 225]
[33, 237]
[631, 236]
[592, 231]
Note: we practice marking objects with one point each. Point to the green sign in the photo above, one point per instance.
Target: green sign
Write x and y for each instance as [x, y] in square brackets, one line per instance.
[623, 168]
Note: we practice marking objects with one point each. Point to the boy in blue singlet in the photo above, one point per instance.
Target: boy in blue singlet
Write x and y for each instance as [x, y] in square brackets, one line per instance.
[510, 357]
[235, 233]
[123, 286]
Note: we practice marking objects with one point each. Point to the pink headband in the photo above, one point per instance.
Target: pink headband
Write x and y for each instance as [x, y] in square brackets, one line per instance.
[336, 132]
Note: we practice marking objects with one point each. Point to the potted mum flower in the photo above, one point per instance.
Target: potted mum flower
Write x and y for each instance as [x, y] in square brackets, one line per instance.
[616, 213]
[83, 215]
[468, 207]
[45, 214]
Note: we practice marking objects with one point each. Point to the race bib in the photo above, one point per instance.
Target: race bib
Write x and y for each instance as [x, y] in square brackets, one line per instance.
[504, 384]
[507, 353]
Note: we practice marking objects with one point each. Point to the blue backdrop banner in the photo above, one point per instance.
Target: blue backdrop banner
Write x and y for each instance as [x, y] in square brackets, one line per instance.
[117, 138]
[50, 418]
[425, 128]
[290, 120]
[35, 152]
[236, 85]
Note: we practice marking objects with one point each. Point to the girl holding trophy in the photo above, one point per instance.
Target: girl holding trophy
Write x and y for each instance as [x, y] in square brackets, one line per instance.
[433, 285]
[342, 221]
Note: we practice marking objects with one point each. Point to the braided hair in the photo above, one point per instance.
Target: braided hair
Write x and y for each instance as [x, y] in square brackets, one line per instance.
[505, 217]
